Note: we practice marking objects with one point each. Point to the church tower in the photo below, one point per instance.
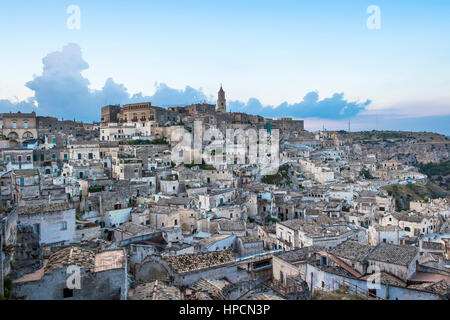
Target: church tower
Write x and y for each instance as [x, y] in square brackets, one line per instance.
[221, 101]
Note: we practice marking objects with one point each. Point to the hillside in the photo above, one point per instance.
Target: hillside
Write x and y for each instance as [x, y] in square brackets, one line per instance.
[403, 194]
[438, 173]
[281, 178]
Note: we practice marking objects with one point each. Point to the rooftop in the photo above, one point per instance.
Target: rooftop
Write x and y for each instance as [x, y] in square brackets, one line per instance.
[86, 259]
[198, 261]
[351, 250]
[26, 172]
[298, 255]
[71, 256]
[43, 208]
[156, 290]
[132, 228]
[392, 253]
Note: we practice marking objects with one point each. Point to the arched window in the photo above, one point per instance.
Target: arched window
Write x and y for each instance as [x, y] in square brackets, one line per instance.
[13, 136]
[27, 135]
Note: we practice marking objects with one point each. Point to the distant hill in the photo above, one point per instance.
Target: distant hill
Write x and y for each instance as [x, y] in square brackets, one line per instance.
[396, 136]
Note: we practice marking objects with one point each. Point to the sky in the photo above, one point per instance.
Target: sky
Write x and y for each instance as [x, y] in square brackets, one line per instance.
[313, 60]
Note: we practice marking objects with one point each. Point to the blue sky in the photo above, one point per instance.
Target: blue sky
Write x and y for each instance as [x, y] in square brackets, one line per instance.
[265, 53]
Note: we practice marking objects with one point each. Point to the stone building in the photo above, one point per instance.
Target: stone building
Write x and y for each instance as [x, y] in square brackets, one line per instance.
[83, 151]
[221, 101]
[194, 109]
[103, 276]
[126, 168]
[398, 260]
[18, 127]
[25, 185]
[143, 112]
[185, 270]
[109, 113]
[8, 241]
[53, 222]
[285, 124]
[299, 233]
[292, 264]
[54, 131]
[413, 224]
[16, 159]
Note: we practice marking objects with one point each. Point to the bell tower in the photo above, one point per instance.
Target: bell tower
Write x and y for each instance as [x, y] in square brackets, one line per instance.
[221, 101]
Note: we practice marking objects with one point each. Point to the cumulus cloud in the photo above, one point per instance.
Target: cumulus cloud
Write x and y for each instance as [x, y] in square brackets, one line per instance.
[311, 106]
[63, 92]
[166, 96]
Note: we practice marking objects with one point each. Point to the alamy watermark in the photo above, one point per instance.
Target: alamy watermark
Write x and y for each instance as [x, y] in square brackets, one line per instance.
[374, 20]
[74, 20]
[74, 280]
[239, 146]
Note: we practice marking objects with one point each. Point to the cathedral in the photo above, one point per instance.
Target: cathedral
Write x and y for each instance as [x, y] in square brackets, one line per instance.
[221, 101]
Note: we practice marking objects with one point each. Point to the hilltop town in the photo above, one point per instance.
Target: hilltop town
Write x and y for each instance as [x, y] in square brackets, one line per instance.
[153, 203]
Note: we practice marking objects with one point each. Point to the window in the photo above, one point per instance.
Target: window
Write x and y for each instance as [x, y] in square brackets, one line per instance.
[175, 223]
[79, 156]
[67, 293]
[64, 225]
[91, 156]
[14, 125]
[37, 228]
[25, 124]
[54, 140]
